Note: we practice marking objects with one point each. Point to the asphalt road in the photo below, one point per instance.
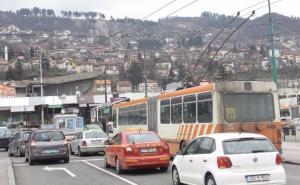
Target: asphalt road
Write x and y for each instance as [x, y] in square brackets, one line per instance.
[89, 170]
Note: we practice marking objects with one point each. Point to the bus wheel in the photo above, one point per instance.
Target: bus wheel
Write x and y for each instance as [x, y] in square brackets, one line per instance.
[183, 144]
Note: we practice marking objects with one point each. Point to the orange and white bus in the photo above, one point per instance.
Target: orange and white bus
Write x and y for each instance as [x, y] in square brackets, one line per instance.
[179, 116]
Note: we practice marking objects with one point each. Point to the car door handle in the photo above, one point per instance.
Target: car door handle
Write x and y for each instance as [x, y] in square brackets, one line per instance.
[205, 160]
[190, 160]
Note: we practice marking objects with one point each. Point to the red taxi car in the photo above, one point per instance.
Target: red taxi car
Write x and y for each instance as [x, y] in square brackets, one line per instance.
[136, 150]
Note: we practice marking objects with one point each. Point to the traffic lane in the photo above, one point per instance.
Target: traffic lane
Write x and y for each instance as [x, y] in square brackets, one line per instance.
[85, 174]
[141, 176]
[292, 174]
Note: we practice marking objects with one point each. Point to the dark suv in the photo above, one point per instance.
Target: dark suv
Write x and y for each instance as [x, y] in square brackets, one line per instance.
[46, 145]
[17, 143]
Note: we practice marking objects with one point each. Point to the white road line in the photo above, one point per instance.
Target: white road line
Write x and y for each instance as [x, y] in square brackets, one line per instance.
[110, 173]
[18, 161]
[62, 169]
[16, 165]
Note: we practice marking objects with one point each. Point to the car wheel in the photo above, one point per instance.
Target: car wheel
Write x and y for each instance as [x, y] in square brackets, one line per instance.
[71, 151]
[19, 153]
[164, 168]
[118, 167]
[210, 180]
[106, 165]
[26, 157]
[31, 162]
[9, 152]
[66, 160]
[80, 152]
[175, 176]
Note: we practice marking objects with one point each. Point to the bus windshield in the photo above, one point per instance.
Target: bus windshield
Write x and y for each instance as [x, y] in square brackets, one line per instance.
[248, 107]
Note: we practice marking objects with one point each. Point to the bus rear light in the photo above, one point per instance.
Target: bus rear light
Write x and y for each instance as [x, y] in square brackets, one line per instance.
[224, 162]
[278, 160]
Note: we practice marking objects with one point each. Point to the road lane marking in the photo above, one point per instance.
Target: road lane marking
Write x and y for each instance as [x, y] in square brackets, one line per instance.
[60, 169]
[20, 165]
[72, 161]
[110, 173]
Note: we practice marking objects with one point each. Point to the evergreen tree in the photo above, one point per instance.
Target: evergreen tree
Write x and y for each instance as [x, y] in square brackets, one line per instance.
[135, 73]
[9, 74]
[18, 70]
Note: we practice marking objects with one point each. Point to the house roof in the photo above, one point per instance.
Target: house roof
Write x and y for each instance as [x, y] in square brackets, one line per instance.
[102, 82]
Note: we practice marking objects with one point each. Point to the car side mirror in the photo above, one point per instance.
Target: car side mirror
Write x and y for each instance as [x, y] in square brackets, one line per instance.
[26, 141]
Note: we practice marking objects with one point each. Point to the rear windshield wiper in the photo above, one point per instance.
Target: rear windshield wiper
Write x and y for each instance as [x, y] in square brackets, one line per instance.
[259, 151]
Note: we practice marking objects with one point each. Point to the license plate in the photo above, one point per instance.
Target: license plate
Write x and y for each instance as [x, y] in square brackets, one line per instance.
[257, 178]
[50, 151]
[146, 150]
[97, 142]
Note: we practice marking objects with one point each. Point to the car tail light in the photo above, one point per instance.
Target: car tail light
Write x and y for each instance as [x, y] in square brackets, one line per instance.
[128, 149]
[83, 143]
[33, 143]
[278, 160]
[224, 162]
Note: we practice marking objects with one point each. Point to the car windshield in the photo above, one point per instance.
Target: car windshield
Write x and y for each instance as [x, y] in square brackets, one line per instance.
[26, 135]
[95, 134]
[49, 136]
[247, 145]
[142, 138]
[93, 127]
[2, 132]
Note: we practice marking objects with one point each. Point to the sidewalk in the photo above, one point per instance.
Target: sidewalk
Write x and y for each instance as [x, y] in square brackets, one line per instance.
[6, 172]
[291, 152]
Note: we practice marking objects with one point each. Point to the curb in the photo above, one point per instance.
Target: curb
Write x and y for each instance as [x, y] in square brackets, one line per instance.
[10, 172]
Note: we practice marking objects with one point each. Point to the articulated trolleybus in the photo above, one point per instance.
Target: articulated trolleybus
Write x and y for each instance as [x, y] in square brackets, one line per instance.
[179, 116]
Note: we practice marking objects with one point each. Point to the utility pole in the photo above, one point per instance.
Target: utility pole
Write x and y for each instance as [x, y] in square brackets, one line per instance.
[42, 90]
[271, 33]
[105, 89]
[145, 74]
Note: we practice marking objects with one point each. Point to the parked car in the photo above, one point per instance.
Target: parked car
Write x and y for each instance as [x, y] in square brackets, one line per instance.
[228, 159]
[136, 149]
[5, 137]
[46, 145]
[88, 141]
[17, 143]
[92, 127]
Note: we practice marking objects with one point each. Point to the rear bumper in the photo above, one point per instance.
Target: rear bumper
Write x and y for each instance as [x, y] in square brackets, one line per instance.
[92, 149]
[52, 156]
[145, 162]
[227, 177]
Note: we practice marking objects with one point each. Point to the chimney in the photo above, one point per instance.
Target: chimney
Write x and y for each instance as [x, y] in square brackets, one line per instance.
[6, 53]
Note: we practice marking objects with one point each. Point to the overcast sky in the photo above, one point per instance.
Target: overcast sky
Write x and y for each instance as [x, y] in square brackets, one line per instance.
[141, 8]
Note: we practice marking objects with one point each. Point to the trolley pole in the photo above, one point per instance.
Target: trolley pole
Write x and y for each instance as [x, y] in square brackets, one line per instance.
[42, 90]
[271, 34]
[145, 74]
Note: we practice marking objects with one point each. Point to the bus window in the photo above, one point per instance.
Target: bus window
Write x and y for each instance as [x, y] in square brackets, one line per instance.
[70, 123]
[189, 109]
[61, 123]
[123, 116]
[204, 108]
[176, 110]
[242, 107]
[143, 114]
[114, 117]
[136, 115]
[165, 111]
[79, 122]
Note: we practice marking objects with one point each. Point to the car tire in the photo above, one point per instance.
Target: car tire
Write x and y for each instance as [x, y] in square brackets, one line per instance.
[118, 166]
[67, 160]
[164, 168]
[26, 157]
[210, 180]
[106, 165]
[80, 152]
[9, 152]
[19, 153]
[175, 177]
[31, 162]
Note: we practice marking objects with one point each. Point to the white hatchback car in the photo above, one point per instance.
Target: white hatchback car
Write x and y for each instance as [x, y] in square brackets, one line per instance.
[88, 141]
[228, 159]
